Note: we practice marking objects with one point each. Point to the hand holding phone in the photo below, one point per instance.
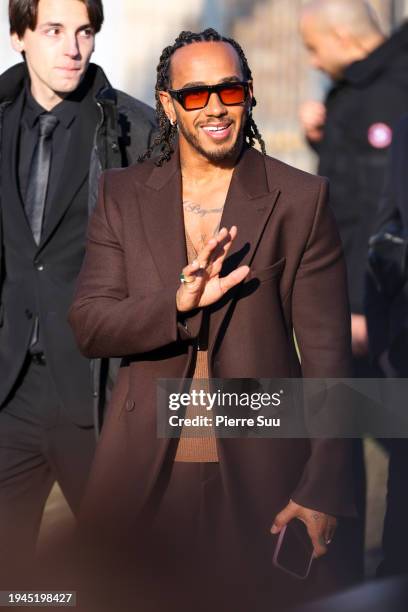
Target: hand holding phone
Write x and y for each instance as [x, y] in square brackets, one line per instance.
[309, 529]
[294, 550]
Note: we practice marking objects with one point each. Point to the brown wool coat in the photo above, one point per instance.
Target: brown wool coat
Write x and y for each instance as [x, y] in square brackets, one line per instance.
[125, 306]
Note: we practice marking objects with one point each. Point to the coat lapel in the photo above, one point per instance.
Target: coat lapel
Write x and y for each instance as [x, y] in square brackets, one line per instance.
[75, 173]
[163, 221]
[249, 204]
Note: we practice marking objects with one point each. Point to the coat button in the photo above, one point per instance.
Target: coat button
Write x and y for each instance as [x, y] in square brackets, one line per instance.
[130, 405]
[28, 313]
[39, 265]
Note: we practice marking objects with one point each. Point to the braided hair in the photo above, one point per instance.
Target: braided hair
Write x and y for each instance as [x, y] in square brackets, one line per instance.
[168, 132]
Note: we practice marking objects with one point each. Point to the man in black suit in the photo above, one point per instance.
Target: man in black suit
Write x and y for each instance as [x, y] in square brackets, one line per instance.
[61, 124]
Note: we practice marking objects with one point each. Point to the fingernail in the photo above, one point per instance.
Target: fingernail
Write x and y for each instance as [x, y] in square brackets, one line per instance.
[275, 529]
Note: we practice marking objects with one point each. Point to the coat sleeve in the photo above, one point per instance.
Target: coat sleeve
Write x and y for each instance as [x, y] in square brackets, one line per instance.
[321, 319]
[106, 320]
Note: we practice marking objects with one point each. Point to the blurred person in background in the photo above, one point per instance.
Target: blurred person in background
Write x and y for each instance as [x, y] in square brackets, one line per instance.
[387, 318]
[352, 130]
[61, 124]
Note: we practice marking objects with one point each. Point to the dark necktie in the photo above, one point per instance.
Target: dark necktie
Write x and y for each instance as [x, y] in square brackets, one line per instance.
[39, 175]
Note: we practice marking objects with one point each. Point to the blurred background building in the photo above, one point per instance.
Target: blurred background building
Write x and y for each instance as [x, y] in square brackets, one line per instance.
[128, 48]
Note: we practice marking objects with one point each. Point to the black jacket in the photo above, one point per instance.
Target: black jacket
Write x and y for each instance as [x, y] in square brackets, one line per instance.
[361, 110]
[388, 316]
[42, 279]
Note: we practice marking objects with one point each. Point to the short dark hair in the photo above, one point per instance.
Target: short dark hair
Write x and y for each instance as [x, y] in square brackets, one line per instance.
[23, 15]
[167, 132]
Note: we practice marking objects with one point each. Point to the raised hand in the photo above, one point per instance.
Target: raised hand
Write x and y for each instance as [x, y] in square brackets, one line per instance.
[312, 115]
[202, 284]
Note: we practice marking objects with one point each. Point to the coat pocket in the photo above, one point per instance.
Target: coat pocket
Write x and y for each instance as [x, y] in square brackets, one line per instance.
[265, 274]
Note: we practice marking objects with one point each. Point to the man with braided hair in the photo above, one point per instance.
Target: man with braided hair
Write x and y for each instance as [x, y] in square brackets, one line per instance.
[259, 255]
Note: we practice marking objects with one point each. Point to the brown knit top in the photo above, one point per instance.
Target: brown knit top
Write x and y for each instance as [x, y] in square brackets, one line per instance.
[192, 448]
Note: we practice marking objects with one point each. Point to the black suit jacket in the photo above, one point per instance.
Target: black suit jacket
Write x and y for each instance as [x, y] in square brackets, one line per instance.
[41, 279]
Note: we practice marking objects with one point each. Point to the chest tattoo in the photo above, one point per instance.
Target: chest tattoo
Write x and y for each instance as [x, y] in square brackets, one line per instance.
[198, 210]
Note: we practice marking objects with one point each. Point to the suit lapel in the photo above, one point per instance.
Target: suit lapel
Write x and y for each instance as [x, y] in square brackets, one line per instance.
[76, 171]
[163, 221]
[249, 204]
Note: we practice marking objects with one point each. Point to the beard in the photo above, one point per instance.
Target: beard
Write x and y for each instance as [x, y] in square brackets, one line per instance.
[222, 153]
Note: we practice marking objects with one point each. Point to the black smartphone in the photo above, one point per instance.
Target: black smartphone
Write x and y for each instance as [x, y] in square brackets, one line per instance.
[294, 550]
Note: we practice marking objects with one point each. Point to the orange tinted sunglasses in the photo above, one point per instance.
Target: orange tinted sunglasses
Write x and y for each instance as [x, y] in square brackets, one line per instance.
[194, 98]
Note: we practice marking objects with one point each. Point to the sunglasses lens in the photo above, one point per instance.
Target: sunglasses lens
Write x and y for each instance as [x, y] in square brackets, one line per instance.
[234, 94]
[195, 99]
